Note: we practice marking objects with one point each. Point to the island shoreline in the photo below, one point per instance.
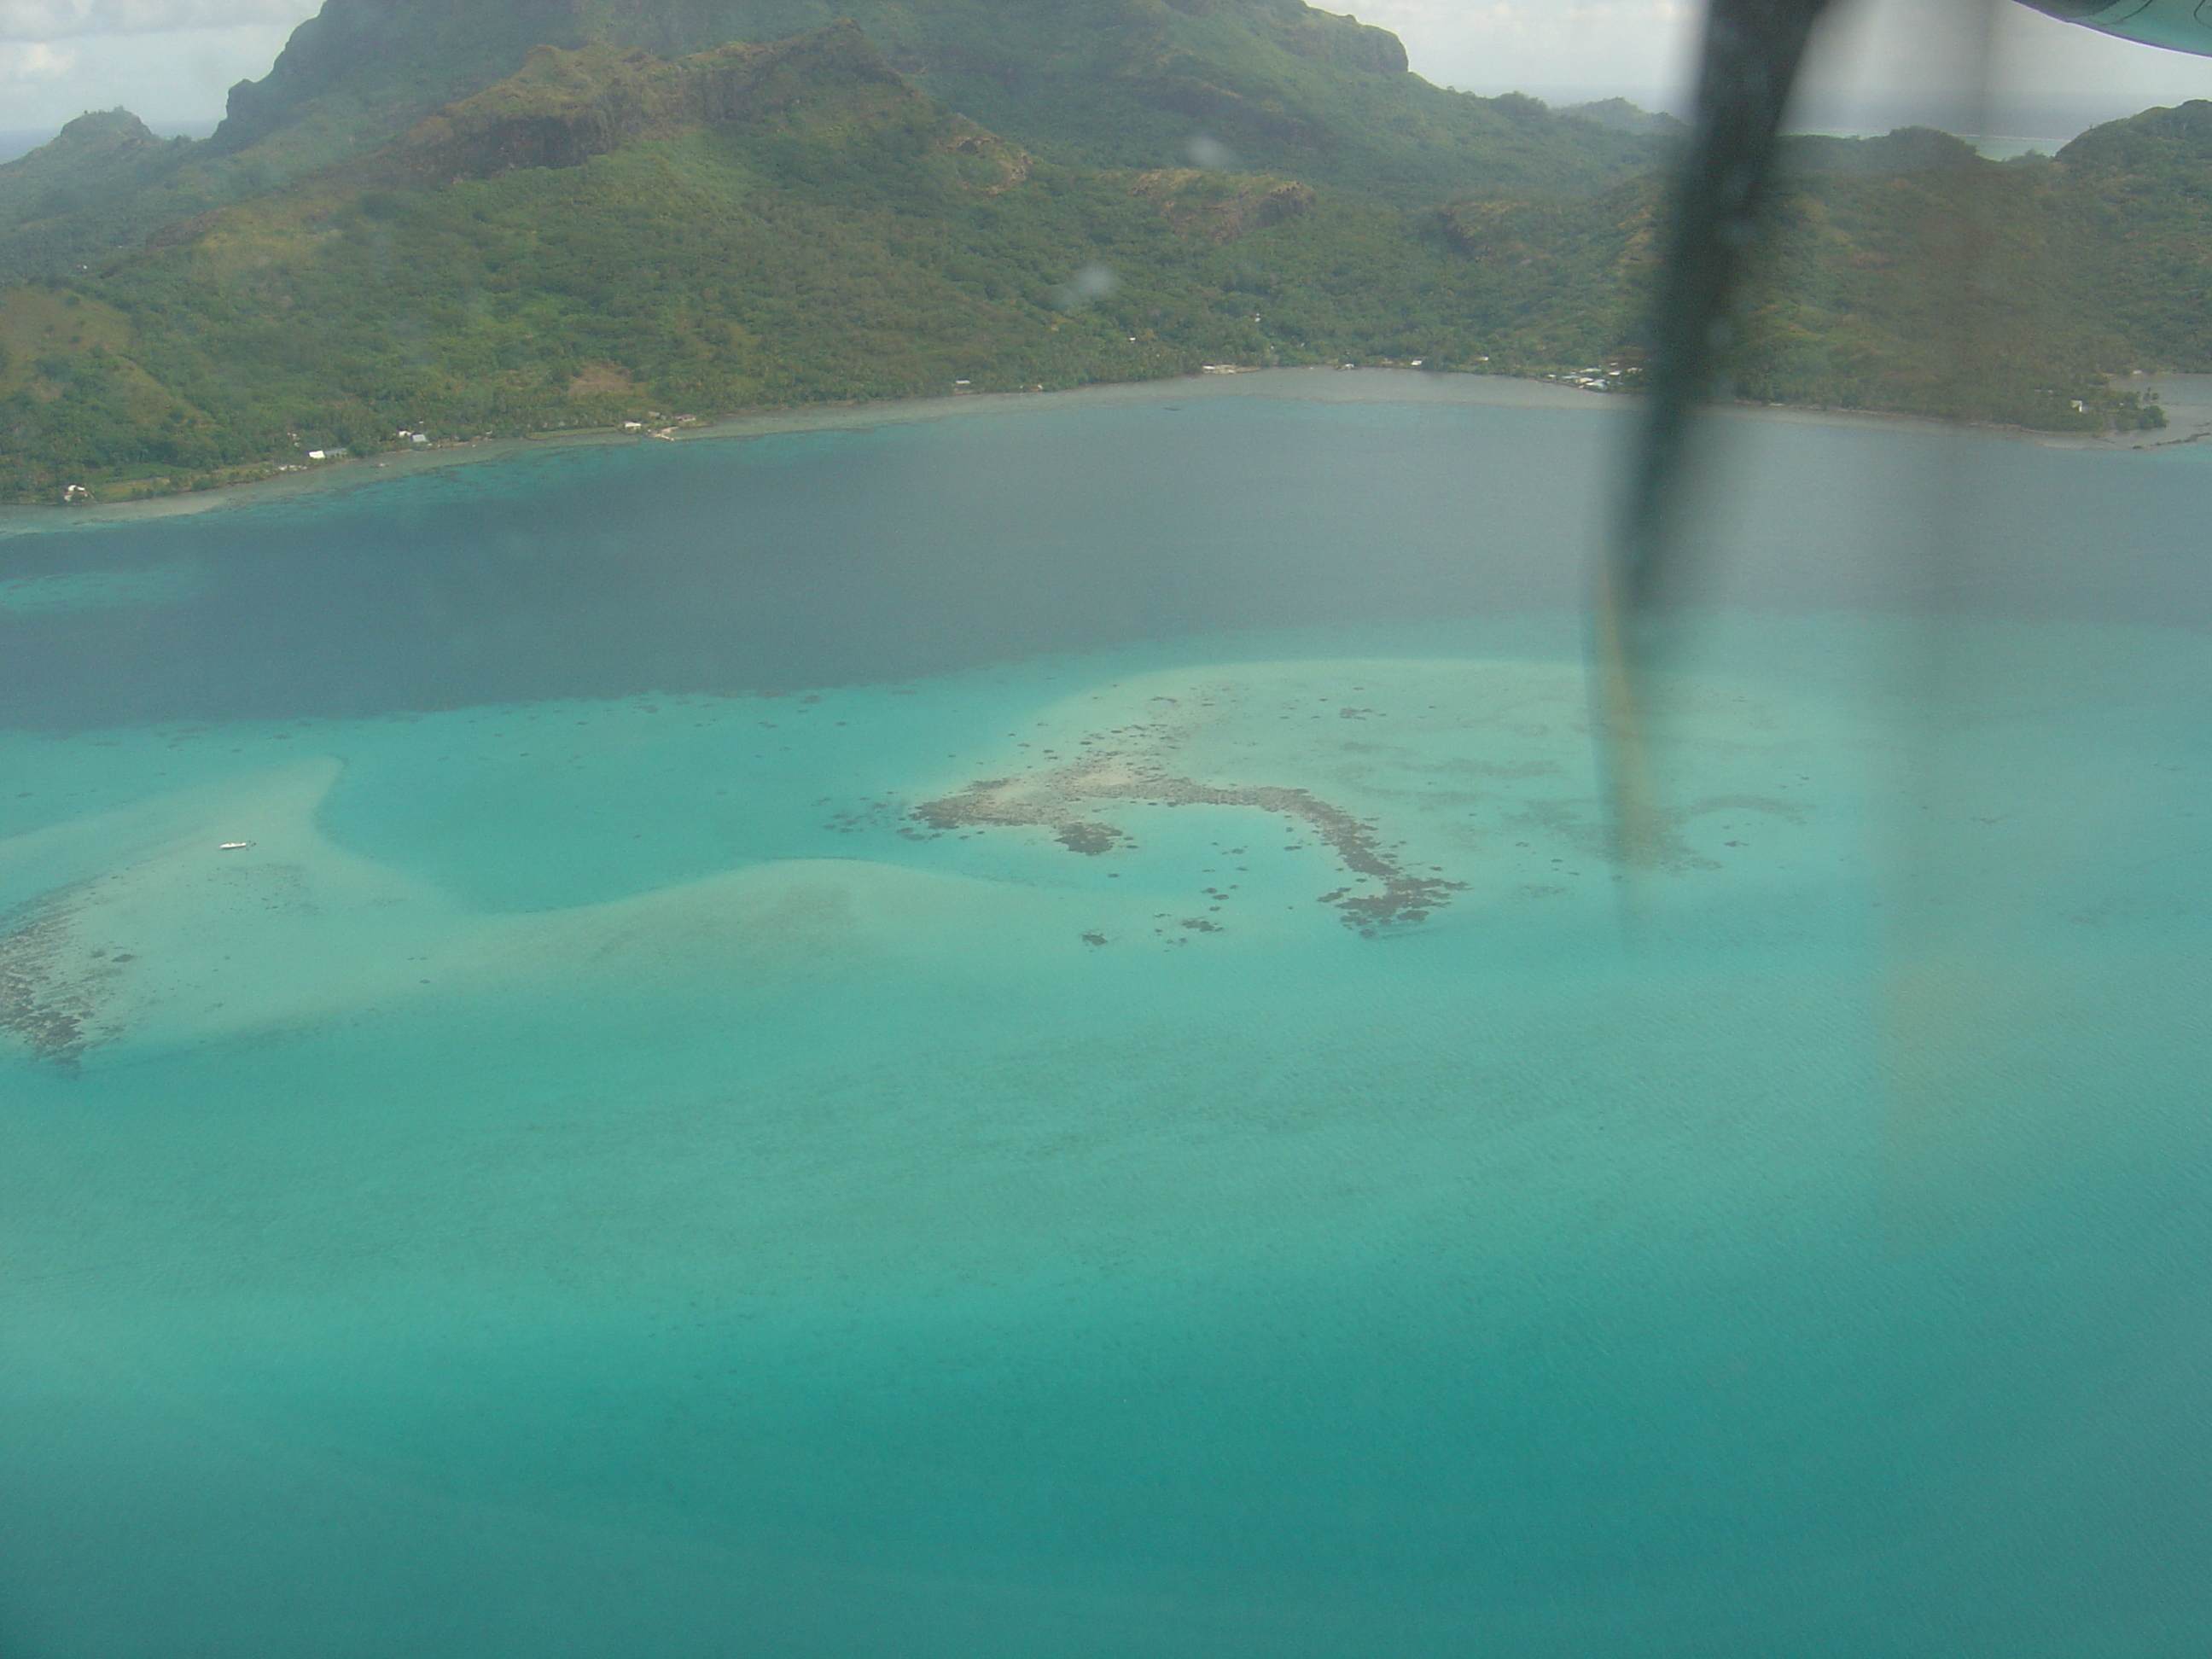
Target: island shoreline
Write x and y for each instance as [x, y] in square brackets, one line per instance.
[1303, 385]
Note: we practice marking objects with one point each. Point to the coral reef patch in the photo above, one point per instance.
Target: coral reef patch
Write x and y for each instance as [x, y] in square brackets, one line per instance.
[1062, 801]
[53, 1013]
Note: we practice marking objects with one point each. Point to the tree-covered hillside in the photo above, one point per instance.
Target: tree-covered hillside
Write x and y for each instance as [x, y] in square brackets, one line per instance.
[1118, 83]
[1272, 85]
[1918, 277]
[606, 232]
[609, 235]
[1906, 273]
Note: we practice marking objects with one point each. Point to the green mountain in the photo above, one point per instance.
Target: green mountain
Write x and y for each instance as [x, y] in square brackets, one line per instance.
[610, 235]
[103, 184]
[97, 157]
[1903, 273]
[1273, 85]
[426, 220]
[1117, 84]
[1909, 274]
[1619, 113]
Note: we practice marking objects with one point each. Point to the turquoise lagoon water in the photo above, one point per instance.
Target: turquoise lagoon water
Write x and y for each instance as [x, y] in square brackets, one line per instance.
[597, 1174]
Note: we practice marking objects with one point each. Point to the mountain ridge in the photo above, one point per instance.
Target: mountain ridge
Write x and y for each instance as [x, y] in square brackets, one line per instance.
[606, 233]
[1122, 84]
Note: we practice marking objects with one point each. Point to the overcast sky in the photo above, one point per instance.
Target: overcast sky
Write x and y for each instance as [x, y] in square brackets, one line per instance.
[173, 60]
[1882, 62]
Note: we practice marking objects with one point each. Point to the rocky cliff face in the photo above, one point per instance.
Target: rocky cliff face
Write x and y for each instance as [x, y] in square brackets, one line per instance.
[377, 64]
[1222, 207]
[1129, 83]
[392, 59]
[564, 107]
[1324, 36]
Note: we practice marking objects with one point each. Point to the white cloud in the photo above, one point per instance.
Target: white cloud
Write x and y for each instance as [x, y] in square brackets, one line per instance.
[171, 80]
[2000, 67]
[58, 20]
[1960, 64]
[36, 61]
[1558, 49]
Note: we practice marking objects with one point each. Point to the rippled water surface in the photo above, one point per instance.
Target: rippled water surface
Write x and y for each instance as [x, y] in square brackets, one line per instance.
[1016, 1037]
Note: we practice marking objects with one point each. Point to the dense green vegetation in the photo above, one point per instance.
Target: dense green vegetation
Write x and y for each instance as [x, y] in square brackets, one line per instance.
[1944, 284]
[827, 233]
[605, 232]
[1905, 274]
[1113, 83]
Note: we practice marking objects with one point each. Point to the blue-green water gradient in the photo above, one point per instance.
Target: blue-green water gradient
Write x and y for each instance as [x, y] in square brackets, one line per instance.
[597, 1175]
